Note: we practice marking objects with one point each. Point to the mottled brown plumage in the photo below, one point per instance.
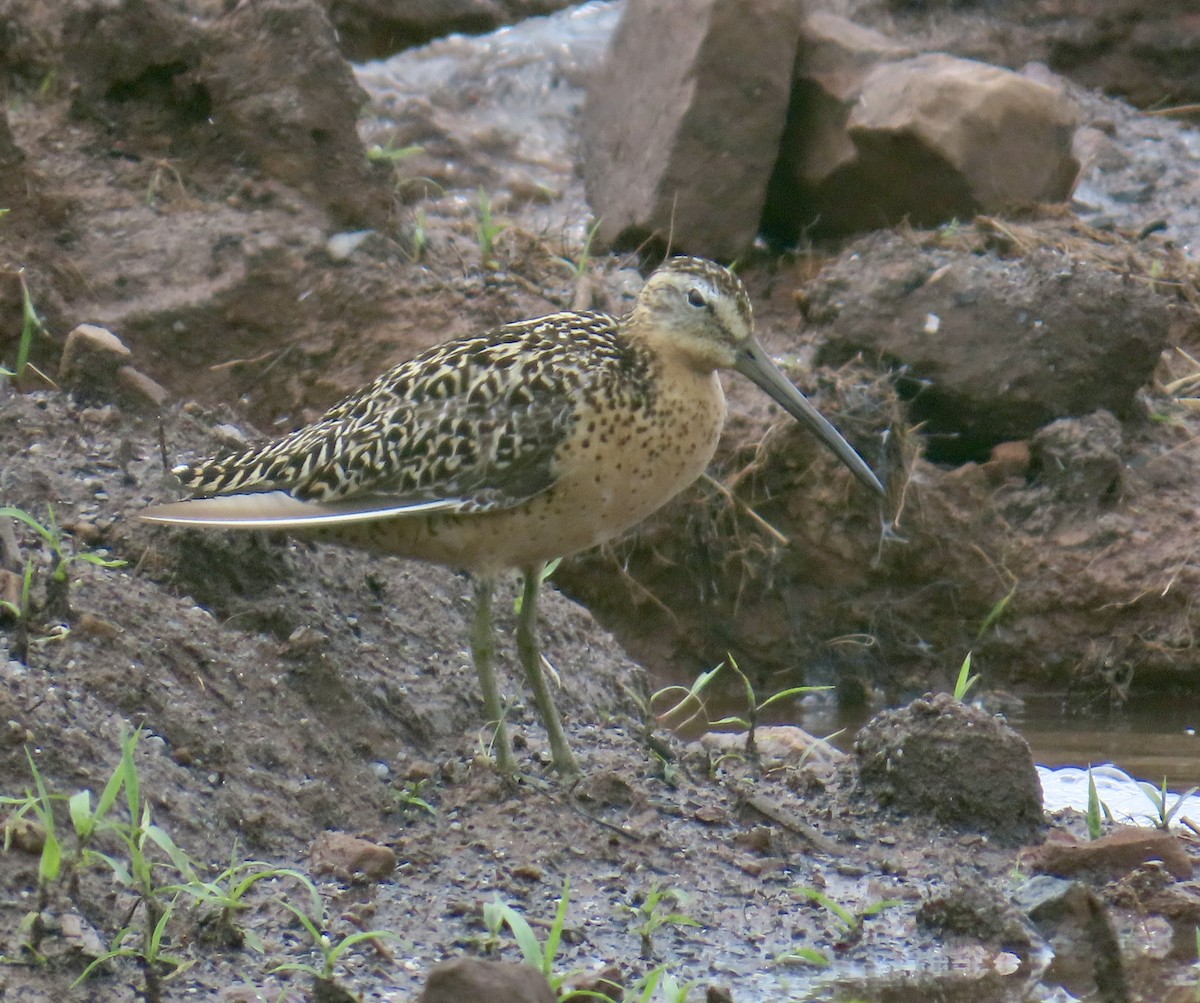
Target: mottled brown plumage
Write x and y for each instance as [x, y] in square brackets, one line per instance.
[534, 440]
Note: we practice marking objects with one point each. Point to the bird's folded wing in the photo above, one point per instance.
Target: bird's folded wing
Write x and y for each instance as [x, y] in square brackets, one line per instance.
[472, 426]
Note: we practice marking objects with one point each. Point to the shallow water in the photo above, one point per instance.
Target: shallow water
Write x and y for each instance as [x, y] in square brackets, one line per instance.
[1155, 739]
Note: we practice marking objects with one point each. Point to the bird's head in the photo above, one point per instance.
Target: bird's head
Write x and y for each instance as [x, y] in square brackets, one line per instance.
[701, 312]
[697, 309]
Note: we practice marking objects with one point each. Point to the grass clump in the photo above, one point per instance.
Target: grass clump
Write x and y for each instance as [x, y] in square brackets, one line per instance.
[498, 914]
[1164, 813]
[330, 949]
[659, 908]
[487, 230]
[31, 325]
[850, 924]
[116, 833]
[56, 604]
[754, 707]
[964, 681]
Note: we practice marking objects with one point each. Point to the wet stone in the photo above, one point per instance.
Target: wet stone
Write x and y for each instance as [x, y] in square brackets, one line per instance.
[1074, 922]
[966, 909]
[350, 858]
[1113, 855]
[956, 764]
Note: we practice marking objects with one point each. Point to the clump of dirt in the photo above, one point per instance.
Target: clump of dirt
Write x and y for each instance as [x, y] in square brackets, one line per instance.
[964, 766]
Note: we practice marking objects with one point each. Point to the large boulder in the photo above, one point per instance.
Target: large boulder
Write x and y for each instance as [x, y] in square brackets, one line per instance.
[873, 141]
[682, 122]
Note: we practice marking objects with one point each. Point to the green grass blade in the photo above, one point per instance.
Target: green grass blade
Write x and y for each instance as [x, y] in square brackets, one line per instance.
[839, 910]
[1094, 820]
[108, 796]
[526, 940]
[791, 691]
[22, 516]
[129, 774]
[807, 955]
[50, 862]
[349, 941]
[964, 682]
[556, 928]
[306, 921]
[79, 807]
[181, 861]
[120, 871]
[996, 612]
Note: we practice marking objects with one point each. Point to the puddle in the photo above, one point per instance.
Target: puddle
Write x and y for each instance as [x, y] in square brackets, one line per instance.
[1151, 739]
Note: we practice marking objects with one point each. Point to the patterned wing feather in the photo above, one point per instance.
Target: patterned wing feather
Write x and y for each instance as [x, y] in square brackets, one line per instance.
[474, 424]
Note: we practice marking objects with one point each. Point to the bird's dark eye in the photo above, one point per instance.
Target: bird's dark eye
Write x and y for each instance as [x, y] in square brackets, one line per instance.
[696, 298]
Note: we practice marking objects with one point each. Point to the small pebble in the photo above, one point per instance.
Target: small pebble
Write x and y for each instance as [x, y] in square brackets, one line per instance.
[341, 245]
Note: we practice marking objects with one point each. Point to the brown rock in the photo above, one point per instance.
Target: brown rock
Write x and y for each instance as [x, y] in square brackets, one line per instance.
[141, 52]
[1112, 856]
[24, 834]
[351, 858]
[1008, 461]
[229, 82]
[1079, 458]
[1086, 952]
[965, 768]
[776, 745]
[11, 586]
[470, 980]
[583, 987]
[90, 360]
[926, 139]
[837, 54]
[1146, 51]
[682, 122]
[834, 59]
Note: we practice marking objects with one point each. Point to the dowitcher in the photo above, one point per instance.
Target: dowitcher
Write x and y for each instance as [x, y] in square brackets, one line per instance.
[503, 450]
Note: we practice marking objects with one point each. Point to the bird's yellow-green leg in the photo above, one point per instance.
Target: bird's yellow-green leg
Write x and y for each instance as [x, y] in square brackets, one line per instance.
[483, 653]
[531, 661]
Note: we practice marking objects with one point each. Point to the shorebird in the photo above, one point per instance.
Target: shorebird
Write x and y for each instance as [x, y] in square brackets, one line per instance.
[535, 440]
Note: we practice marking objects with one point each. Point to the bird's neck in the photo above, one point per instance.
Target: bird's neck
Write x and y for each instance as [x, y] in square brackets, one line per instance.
[667, 346]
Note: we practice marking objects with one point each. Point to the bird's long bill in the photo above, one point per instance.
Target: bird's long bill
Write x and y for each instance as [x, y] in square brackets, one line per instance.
[755, 364]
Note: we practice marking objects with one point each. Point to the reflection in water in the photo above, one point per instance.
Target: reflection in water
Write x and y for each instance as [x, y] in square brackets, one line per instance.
[1149, 741]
